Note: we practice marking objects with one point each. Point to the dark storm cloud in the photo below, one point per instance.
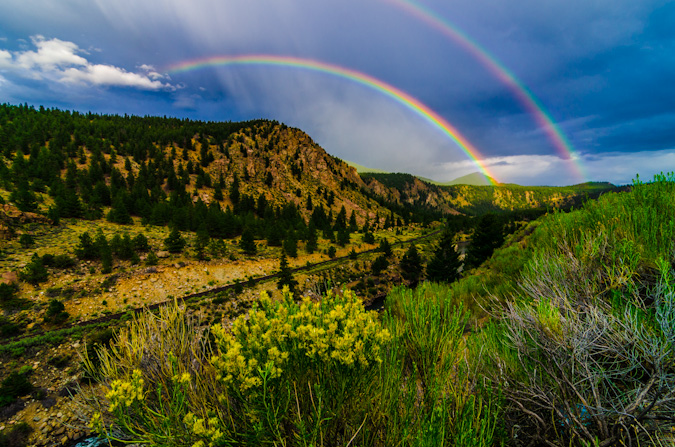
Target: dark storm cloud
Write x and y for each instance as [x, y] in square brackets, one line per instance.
[601, 69]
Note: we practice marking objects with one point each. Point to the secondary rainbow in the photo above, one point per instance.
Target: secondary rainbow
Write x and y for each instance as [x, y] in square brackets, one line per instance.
[524, 95]
[360, 78]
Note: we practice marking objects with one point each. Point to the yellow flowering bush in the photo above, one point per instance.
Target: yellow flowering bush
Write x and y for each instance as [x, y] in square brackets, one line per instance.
[335, 332]
[284, 357]
[124, 393]
[286, 373]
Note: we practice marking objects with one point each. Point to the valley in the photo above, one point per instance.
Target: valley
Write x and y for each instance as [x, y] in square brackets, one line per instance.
[196, 263]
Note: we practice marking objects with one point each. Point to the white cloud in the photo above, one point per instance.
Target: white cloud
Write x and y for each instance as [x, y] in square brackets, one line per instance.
[110, 75]
[60, 60]
[5, 59]
[152, 73]
[50, 55]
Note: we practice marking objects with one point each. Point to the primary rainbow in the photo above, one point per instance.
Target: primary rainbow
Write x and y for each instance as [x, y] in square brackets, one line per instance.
[526, 98]
[349, 74]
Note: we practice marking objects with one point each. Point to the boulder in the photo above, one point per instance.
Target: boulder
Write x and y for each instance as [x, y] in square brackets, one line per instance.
[9, 278]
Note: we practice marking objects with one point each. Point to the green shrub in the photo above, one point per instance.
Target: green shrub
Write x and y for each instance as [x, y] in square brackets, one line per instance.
[56, 312]
[34, 272]
[151, 259]
[308, 373]
[586, 343]
[8, 291]
[156, 371]
[16, 384]
[8, 328]
[17, 436]
[26, 240]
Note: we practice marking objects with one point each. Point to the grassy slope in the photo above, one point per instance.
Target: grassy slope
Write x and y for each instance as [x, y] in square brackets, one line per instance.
[582, 315]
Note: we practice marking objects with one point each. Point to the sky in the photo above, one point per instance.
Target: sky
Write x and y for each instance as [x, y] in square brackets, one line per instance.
[533, 92]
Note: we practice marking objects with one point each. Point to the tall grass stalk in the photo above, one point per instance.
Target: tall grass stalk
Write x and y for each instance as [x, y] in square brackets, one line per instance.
[429, 389]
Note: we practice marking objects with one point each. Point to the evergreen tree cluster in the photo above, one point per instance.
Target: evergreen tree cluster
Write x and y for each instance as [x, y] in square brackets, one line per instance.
[445, 262]
[122, 247]
[127, 167]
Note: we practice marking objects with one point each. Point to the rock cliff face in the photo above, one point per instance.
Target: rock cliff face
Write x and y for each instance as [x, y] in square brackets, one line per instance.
[285, 165]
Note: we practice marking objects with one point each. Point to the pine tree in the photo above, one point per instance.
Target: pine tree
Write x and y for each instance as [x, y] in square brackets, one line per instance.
[291, 245]
[385, 248]
[445, 263]
[486, 238]
[411, 266]
[343, 237]
[312, 238]
[275, 235]
[201, 241]
[234, 191]
[68, 204]
[119, 213]
[247, 243]
[341, 219]
[217, 248]
[329, 234]
[175, 242]
[23, 197]
[353, 226]
[218, 192]
[140, 242]
[379, 264]
[105, 252]
[53, 215]
[286, 275]
[86, 249]
[125, 249]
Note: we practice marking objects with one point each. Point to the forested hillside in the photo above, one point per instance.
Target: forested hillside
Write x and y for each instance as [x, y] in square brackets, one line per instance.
[548, 322]
[177, 172]
[475, 199]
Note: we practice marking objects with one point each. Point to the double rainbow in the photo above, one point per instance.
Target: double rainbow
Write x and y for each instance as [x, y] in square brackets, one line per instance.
[521, 92]
[352, 75]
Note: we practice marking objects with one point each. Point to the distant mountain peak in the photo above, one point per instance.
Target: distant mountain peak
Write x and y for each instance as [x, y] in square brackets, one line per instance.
[474, 179]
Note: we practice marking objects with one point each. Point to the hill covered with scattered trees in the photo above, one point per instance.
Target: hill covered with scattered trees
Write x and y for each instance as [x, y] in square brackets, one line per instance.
[510, 315]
